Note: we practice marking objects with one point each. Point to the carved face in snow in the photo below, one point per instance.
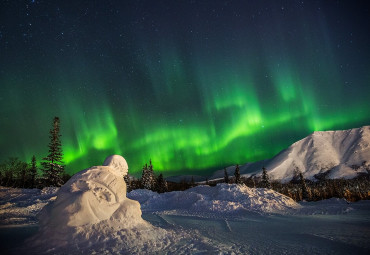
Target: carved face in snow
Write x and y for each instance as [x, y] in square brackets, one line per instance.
[95, 194]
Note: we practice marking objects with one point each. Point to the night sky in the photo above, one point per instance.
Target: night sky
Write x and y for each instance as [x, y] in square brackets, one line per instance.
[192, 85]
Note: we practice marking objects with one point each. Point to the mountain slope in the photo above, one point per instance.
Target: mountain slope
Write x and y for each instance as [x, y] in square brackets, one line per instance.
[334, 154]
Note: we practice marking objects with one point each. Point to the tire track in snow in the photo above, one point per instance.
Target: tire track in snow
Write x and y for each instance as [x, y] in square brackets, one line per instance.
[165, 221]
[228, 226]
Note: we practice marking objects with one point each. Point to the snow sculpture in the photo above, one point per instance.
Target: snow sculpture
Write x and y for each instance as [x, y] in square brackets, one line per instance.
[94, 195]
[92, 207]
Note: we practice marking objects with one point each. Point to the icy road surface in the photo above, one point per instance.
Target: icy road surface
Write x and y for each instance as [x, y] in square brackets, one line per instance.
[300, 234]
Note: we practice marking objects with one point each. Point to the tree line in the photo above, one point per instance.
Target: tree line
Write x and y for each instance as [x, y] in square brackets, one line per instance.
[300, 188]
[148, 180]
[19, 174]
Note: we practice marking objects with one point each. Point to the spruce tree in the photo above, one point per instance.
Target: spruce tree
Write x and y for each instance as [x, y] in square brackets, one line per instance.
[144, 177]
[8, 168]
[16, 173]
[237, 175]
[226, 176]
[306, 194]
[147, 177]
[161, 184]
[192, 182]
[127, 180]
[23, 175]
[265, 179]
[153, 178]
[33, 172]
[52, 164]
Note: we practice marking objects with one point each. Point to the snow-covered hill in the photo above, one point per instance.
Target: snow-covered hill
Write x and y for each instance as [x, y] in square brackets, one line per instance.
[333, 154]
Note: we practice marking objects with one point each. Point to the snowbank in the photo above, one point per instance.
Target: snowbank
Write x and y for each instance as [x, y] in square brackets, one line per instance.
[222, 200]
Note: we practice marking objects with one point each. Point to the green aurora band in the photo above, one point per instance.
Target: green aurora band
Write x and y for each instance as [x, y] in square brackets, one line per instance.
[233, 124]
[191, 106]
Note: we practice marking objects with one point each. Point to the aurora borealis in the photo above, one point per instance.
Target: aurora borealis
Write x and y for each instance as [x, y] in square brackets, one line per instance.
[192, 85]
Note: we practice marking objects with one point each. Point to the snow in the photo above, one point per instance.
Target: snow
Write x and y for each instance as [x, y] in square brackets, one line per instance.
[340, 154]
[220, 201]
[117, 163]
[91, 210]
[337, 151]
[20, 206]
[225, 219]
[91, 214]
[332, 206]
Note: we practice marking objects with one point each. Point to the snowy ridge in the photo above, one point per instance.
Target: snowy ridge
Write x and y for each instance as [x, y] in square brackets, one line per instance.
[336, 154]
[344, 153]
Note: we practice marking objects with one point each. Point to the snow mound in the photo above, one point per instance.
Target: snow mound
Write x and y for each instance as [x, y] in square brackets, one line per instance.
[92, 211]
[222, 200]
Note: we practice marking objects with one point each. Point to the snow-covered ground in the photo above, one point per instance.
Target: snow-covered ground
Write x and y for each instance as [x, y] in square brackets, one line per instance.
[20, 206]
[226, 219]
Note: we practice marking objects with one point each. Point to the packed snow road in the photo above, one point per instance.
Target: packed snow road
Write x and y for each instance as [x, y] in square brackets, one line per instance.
[293, 234]
[299, 234]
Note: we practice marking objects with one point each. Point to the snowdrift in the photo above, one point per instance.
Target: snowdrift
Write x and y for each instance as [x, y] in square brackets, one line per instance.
[223, 200]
